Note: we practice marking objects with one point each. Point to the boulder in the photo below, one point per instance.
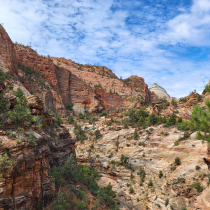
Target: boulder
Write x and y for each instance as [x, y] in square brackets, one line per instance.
[34, 102]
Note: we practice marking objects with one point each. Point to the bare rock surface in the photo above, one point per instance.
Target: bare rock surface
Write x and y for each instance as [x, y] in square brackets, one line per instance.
[159, 91]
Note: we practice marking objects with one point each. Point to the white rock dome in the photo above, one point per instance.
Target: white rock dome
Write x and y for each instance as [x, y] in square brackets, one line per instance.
[159, 91]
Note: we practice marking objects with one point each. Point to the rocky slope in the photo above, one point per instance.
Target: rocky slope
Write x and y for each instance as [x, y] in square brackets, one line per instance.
[153, 151]
[159, 91]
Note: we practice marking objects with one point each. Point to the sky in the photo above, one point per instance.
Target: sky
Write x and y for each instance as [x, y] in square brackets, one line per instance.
[164, 41]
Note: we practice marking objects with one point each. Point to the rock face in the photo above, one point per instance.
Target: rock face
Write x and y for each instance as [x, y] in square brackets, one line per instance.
[7, 53]
[26, 183]
[115, 93]
[159, 91]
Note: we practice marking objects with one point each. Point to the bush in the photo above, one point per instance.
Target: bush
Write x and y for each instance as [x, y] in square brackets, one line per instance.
[166, 202]
[197, 186]
[5, 163]
[177, 161]
[60, 203]
[197, 167]
[152, 119]
[131, 190]
[199, 98]
[184, 126]
[70, 119]
[183, 99]
[141, 144]
[160, 175]
[172, 119]
[103, 113]
[142, 174]
[81, 116]
[176, 143]
[135, 136]
[69, 107]
[97, 134]
[89, 178]
[150, 184]
[31, 139]
[173, 102]
[21, 114]
[57, 117]
[179, 120]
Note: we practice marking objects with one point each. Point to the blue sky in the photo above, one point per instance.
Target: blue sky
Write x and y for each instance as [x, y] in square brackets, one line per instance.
[163, 41]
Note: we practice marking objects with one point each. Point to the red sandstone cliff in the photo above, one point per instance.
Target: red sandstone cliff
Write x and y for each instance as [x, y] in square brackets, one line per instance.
[115, 93]
[7, 53]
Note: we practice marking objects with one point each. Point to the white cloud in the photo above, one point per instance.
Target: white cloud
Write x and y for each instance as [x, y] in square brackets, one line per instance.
[89, 31]
[191, 28]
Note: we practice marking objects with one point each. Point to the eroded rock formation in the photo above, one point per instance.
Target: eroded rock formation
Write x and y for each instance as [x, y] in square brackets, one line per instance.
[159, 91]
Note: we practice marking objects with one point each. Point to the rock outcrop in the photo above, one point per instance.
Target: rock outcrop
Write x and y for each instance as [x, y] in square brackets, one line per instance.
[8, 61]
[26, 156]
[159, 91]
[114, 92]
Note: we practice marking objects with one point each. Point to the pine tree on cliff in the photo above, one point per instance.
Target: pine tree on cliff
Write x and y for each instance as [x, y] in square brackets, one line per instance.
[201, 119]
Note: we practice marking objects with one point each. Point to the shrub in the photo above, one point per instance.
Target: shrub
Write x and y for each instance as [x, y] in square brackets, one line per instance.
[173, 102]
[176, 143]
[131, 190]
[92, 146]
[166, 202]
[70, 119]
[19, 93]
[199, 98]
[197, 186]
[60, 203]
[5, 163]
[135, 135]
[141, 144]
[183, 99]
[197, 167]
[172, 119]
[177, 161]
[152, 119]
[97, 134]
[125, 125]
[179, 120]
[81, 116]
[31, 139]
[69, 107]
[57, 117]
[150, 184]
[18, 141]
[142, 174]
[21, 114]
[183, 126]
[103, 113]
[160, 174]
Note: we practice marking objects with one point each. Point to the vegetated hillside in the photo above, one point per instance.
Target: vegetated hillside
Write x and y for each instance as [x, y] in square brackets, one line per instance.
[38, 168]
[152, 161]
[113, 91]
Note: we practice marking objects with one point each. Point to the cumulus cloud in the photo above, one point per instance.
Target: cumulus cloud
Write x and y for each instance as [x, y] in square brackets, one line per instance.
[130, 37]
